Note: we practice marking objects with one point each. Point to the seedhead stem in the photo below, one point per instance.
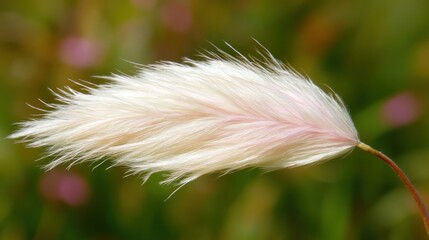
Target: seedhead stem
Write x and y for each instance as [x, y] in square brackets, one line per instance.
[423, 209]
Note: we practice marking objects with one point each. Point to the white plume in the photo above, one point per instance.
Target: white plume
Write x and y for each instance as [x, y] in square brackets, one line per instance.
[217, 115]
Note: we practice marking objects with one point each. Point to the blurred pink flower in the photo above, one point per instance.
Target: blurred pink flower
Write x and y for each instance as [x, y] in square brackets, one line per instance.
[65, 187]
[176, 16]
[402, 109]
[80, 52]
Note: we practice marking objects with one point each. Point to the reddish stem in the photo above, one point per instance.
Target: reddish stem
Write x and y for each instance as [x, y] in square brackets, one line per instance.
[423, 209]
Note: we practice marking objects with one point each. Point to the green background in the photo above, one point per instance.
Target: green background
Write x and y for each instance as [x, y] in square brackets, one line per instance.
[375, 54]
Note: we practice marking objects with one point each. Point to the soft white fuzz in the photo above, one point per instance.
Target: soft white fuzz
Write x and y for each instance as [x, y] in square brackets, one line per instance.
[218, 115]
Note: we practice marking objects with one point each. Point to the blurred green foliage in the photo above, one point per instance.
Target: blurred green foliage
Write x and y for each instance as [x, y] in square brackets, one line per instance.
[375, 54]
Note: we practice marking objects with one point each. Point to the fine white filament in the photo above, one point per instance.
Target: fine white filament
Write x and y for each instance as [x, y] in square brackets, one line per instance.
[218, 115]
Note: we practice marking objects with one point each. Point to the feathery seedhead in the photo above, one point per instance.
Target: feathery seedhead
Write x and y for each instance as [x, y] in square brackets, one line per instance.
[217, 115]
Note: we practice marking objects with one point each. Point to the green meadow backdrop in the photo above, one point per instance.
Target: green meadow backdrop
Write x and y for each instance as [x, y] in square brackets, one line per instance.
[375, 54]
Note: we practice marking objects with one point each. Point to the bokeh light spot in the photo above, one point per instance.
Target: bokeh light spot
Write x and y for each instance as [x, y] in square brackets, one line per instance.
[401, 109]
[176, 16]
[80, 52]
[65, 187]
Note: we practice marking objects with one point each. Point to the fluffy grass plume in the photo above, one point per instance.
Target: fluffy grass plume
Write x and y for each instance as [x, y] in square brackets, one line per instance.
[217, 115]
